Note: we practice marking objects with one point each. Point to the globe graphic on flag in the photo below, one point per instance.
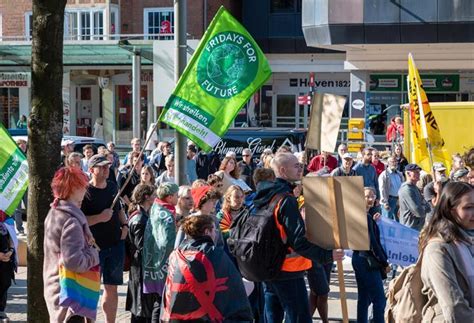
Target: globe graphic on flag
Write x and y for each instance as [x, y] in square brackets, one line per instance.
[226, 65]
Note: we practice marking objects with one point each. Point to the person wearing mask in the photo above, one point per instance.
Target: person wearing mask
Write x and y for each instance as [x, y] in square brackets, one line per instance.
[390, 181]
[371, 267]
[413, 207]
[346, 167]
[229, 301]
[247, 167]
[68, 242]
[168, 175]
[367, 171]
[323, 163]
[286, 295]
[185, 203]
[143, 307]
[447, 251]
[379, 166]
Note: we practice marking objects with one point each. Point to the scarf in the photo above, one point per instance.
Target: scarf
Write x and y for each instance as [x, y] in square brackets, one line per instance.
[159, 238]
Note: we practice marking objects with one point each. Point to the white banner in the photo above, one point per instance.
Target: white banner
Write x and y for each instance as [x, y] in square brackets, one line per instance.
[400, 242]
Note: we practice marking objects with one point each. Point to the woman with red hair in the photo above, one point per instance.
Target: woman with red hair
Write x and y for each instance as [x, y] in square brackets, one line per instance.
[68, 241]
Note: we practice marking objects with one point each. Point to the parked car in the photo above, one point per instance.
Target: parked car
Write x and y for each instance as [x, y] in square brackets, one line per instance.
[79, 142]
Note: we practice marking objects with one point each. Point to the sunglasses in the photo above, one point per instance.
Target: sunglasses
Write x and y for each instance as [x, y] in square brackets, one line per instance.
[245, 155]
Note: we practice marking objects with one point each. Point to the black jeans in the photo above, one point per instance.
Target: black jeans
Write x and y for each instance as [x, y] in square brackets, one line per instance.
[5, 283]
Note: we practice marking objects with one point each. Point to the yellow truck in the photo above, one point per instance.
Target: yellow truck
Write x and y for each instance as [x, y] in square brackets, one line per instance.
[456, 123]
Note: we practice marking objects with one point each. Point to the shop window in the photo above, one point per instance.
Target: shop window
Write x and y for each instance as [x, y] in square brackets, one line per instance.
[285, 111]
[9, 106]
[124, 113]
[158, 22]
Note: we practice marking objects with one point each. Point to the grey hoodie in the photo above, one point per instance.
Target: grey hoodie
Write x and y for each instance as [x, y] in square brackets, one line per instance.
[413, 207]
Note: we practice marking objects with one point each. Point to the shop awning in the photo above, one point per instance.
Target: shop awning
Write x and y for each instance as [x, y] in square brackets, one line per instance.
[90, 53]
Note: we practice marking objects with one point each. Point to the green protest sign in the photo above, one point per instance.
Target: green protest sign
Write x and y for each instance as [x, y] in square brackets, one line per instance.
[224, 72]
[13, 173]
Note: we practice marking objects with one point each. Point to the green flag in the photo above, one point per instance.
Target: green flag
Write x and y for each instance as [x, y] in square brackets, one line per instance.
[224, 72]
[13, 173]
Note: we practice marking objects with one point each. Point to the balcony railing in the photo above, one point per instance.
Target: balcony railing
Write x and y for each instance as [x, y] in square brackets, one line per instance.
[86, 38]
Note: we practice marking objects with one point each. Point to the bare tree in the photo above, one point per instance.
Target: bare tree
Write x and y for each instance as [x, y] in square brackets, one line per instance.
[44, 138]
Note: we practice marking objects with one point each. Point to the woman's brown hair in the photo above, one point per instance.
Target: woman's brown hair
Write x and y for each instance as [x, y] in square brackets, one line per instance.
[234, 173]
[226, 204]
[196, 226]
[444, 223]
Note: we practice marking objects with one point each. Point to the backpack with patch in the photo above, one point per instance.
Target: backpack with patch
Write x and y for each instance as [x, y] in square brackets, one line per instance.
[256, 244]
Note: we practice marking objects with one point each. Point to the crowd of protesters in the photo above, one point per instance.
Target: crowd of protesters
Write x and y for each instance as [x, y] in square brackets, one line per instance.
[132, 216]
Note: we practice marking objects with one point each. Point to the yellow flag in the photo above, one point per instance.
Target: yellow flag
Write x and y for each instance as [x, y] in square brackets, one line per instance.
[425, 131]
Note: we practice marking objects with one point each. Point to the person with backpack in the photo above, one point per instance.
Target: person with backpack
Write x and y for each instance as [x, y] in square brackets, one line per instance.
[447, 251]
[143, 307]
[286, 294]
[371, 267]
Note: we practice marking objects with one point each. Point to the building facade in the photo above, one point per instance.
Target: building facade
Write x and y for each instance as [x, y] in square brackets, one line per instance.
[377, 35]
[101, 37]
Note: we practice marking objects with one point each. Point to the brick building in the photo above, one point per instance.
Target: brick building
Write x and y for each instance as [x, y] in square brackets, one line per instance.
[97, 65]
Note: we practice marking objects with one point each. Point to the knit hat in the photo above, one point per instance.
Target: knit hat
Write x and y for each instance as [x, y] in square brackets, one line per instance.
[166, 189]
[198, 193]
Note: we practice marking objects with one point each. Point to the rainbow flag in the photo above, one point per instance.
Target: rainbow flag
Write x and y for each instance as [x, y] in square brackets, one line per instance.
[80, 291]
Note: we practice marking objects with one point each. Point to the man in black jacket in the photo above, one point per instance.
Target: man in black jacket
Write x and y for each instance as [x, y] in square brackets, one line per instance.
[288, 291]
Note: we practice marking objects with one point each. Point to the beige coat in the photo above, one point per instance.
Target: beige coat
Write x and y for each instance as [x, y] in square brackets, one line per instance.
[445, 283]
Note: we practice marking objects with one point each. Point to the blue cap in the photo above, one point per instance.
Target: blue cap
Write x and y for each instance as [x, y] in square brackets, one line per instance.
[412, 167]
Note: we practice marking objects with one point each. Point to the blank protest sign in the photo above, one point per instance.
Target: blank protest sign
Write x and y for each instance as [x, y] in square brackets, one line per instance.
[350, 209]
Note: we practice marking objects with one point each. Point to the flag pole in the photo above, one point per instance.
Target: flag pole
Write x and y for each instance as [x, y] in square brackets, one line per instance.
[423, 123]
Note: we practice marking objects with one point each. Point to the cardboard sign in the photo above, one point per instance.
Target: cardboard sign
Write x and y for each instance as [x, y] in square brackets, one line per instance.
[335, 208]
[326, 114]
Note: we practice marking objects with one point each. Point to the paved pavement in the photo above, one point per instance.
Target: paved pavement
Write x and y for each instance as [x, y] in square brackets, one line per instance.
[16, 305]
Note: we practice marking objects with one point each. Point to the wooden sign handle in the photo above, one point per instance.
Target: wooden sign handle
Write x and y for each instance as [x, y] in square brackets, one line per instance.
[337, 239]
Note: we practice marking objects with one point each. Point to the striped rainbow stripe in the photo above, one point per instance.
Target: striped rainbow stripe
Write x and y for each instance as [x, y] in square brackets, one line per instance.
[80, 291]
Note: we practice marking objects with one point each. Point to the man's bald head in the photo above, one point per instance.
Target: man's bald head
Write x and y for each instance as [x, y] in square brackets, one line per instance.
[287, 166]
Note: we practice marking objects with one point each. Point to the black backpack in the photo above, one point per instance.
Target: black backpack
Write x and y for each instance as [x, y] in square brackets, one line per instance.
[256, 244]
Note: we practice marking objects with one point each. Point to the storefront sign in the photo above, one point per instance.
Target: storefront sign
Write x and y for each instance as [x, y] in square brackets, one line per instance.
[257, 140]
[385, 83]
[15, 80]
[440, 83]
[431, 82]
[306, 82]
